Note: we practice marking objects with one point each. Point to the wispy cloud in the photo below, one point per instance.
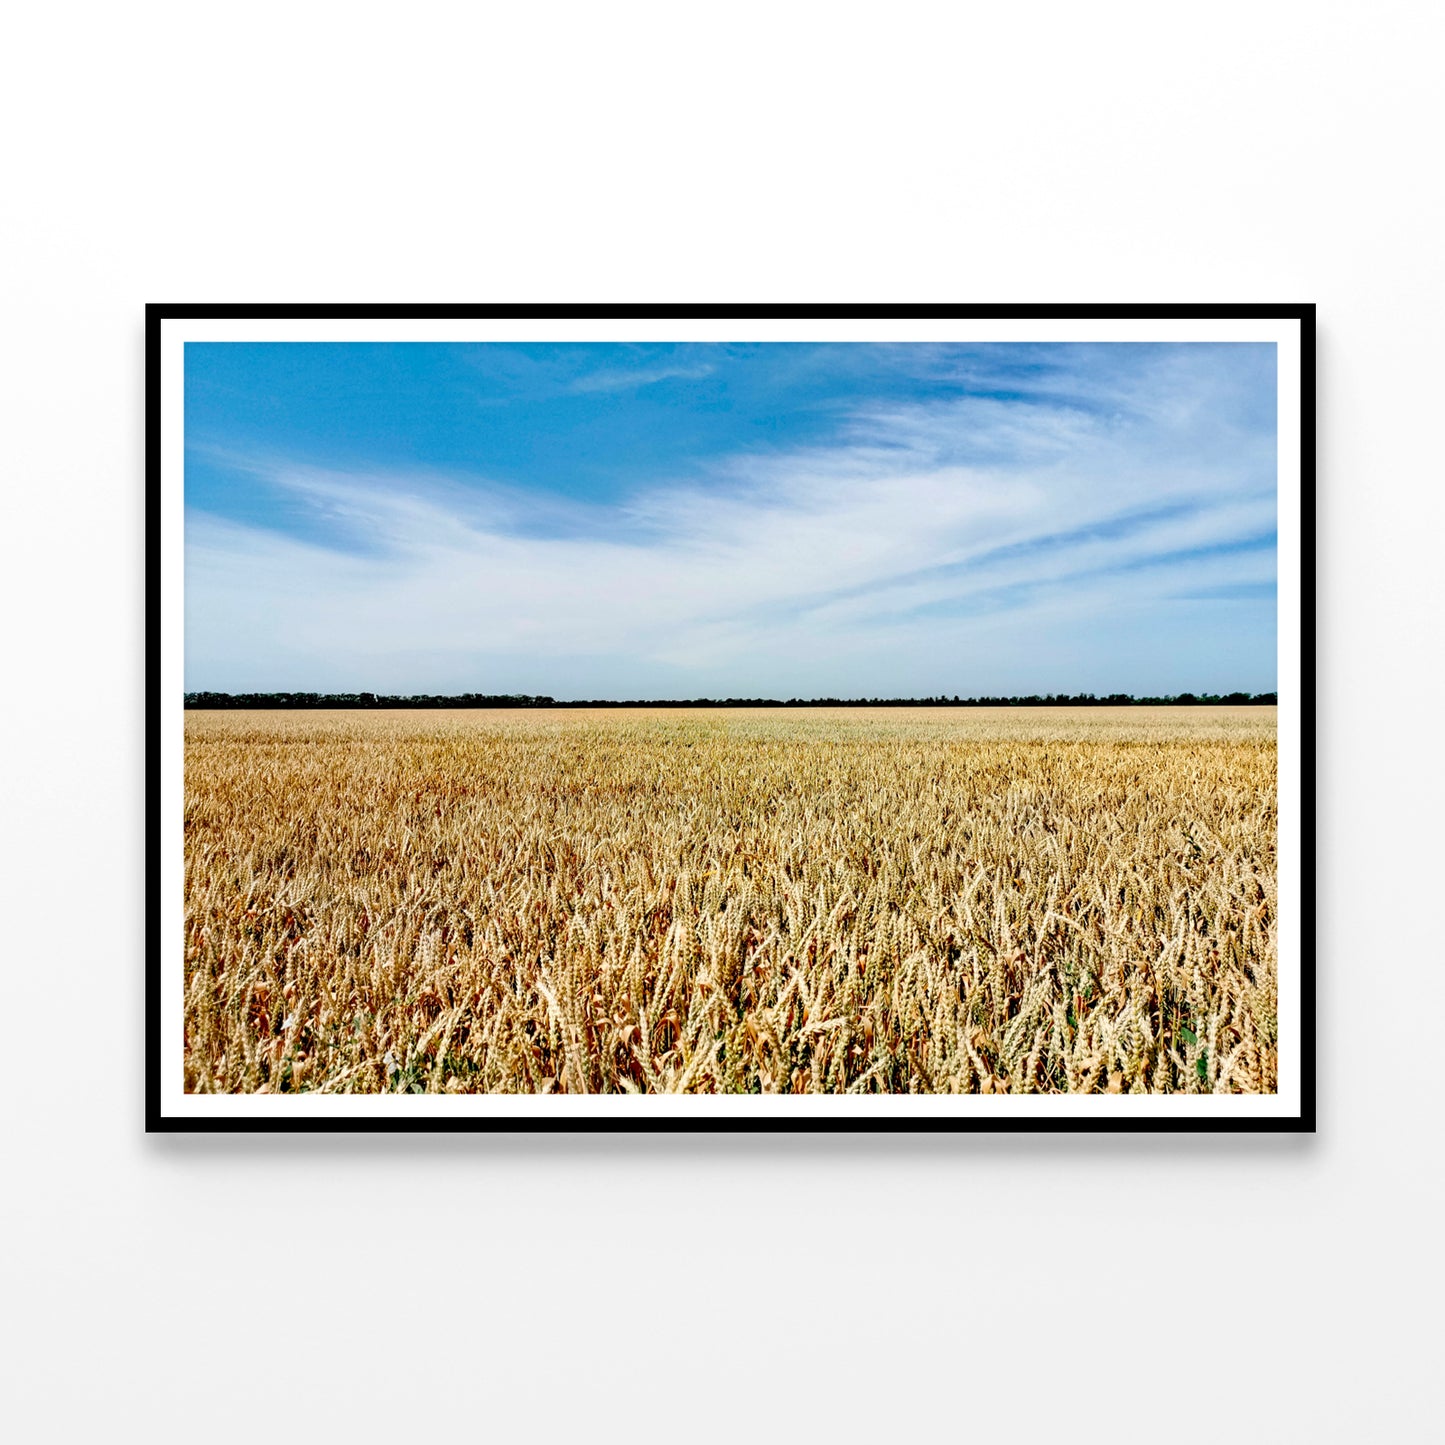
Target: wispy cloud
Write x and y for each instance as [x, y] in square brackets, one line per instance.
[962, 545]
[627, 380]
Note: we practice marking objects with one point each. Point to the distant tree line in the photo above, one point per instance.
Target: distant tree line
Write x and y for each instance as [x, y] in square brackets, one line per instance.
[303, 700]
[300, 700]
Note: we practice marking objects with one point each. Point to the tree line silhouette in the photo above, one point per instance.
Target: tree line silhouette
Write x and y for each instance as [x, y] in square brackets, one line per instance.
[305, 700]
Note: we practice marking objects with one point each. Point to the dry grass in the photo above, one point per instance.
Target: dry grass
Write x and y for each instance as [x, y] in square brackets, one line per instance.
[930, 900]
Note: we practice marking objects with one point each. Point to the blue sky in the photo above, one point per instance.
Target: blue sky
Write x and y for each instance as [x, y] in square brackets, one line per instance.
[783, 519]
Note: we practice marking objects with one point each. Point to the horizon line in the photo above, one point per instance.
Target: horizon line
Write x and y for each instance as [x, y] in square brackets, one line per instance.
[209, 700]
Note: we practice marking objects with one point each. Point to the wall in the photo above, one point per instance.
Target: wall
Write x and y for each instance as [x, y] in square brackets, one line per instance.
[454, 1288]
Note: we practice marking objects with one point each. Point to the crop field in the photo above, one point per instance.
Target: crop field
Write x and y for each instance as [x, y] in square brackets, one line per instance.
[839, 900]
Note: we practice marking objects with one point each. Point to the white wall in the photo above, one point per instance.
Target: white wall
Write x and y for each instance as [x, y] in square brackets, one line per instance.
[236, 1289]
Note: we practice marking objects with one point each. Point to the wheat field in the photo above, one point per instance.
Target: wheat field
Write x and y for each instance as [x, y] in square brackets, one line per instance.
[841, 900]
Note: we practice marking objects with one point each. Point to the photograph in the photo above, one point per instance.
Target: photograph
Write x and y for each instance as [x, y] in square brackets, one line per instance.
[731, 717]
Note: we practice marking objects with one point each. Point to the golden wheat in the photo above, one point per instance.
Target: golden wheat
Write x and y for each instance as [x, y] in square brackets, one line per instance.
[831, 899]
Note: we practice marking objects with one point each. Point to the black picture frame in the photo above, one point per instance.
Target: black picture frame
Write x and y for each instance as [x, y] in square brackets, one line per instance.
[157, 1119]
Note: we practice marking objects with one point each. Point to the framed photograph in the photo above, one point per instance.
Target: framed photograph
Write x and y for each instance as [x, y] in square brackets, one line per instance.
[730, 717]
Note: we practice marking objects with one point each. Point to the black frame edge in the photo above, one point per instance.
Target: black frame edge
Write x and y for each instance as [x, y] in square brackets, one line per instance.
[1309, 962]
[155, 1121]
